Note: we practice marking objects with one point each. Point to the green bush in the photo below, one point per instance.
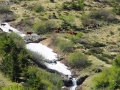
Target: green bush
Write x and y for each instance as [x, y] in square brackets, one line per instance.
[65, 46]
[102, 15]
[44, 27]
[117, 61]
[68, 18]
[78, 59]
[14, 87]
[96, 50]
[109, 79]
[54, 39]
[77, 5]
[38, 8]
[74, 39]
[4, 9]
[40, 79]
[17, 40]
[51, 0]
[98, 17]
[117, 10]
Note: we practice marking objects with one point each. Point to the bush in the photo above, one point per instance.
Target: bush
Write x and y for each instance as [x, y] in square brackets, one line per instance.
[38, 8]
[117, 10]
[52, 1]
[4, 9]
[65, 46]
[117, 62]
[77, 5]
[14, 87]
[68, 18]
[97, 17]
[44, 27]
[96, 50]
[78, 59]
[74, 39]
[40, 79]
[102, 15]
[109, 79]
[17, 40]
[54, 39]
[97, 44]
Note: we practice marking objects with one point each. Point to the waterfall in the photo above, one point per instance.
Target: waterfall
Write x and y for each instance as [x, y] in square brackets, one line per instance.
[74, 82]
[46, 52]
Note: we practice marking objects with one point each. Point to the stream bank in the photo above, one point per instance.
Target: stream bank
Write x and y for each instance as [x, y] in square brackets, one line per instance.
[50, 56]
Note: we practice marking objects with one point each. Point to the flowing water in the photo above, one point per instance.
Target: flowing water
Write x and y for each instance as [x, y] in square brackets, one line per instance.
[46, 52]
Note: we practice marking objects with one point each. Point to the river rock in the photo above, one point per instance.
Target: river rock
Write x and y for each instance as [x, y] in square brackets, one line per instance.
[81, 79]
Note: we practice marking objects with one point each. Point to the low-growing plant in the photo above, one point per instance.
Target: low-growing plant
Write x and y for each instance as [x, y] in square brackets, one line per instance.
[78, 59]
[117, 61]
[116, 9]
[68, 18]
[75, 5]
[96, 50]
[118, 29]
[108, 79]
[44, 27]
[74, 39]
[4, 8]
[102, 15]
[65, 46]
[52, 1]
[38, 8]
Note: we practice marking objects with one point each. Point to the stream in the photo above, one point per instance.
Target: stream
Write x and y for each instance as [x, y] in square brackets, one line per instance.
[46, 52]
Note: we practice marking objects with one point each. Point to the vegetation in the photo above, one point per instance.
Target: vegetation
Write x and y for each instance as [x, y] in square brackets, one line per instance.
[78, 59]
[109, 78]
[44, 27]
[97, 17]
[75, 5]
[38, 8]
[67, 46]
[95, 24]
[75, 39]
[17, 65]
[4, 9]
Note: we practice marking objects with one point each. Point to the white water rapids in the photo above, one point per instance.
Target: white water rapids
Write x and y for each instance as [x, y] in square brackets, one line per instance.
[44, 51]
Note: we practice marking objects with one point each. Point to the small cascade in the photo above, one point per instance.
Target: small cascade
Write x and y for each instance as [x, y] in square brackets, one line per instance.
[74, 81]
[48, 53]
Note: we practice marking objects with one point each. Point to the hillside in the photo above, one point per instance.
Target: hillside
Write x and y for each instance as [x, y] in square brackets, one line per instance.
[91, 27]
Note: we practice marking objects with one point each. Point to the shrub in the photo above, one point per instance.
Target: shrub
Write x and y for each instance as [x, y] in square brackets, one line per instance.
[67, 18]
[74, 39]
[102, 15]
[40, 79]
[65, 46]
[97, 44]
[14, 87]
[44, 27]
[4, 8]
[52, 1]
[78, 59]
[17, 40]
[117, 61]
[96, 50]
[117, 10]
[54, 39]
[109, 79]
[97, 17]
[118, 29]
[77, 5]
[38, 8]
[79, 34]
